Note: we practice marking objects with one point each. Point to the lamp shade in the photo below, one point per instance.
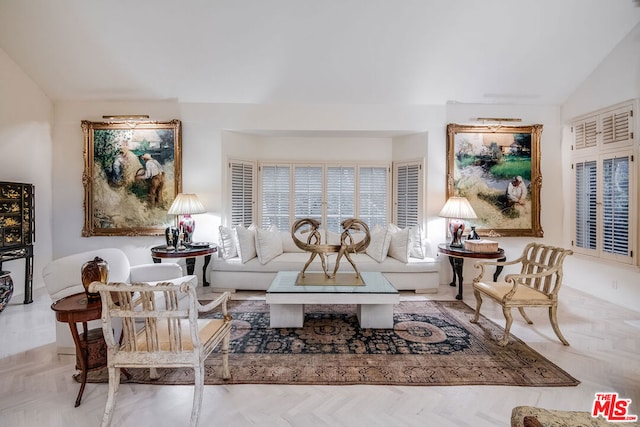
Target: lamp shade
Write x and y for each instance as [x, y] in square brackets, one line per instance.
[459, 208]
[186, 204]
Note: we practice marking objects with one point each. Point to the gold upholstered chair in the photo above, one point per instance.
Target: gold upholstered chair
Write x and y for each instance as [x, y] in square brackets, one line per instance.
[158, 332]
[536, 285]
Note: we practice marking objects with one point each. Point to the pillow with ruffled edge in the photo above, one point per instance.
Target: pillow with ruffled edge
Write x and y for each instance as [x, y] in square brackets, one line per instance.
[379, 245]
[268, 244]
[399, 246]
[228, 242]
[246, 242]
[415, 242]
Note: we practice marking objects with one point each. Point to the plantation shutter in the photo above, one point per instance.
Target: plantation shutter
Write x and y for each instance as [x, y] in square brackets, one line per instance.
[616, 127]
[341, 189]
[276, 190]
[373, 183]
[615, 206]
[586, 215]
[585, 133]
[407, 194]
[308, 192]
[242, 192]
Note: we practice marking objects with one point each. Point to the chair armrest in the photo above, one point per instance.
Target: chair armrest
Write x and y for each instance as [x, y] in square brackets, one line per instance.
[155, 272]
[220, 301]
[481, 264]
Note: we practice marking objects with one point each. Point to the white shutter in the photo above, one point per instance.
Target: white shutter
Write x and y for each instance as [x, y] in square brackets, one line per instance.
[615, 206]
[242, 192]
[408, 189]
[585, 133]
[586, 216]
[276, 194]
[341, 202]
[617, 127]
[373, 195]
[308, 192]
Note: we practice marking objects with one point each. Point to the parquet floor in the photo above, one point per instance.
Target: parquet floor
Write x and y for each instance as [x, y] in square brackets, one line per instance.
[37, 389]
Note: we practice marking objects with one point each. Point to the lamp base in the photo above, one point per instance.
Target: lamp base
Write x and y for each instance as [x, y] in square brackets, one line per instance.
[188, 225]
[456, 228]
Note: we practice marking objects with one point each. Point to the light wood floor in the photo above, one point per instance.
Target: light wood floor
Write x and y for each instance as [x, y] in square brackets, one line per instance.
[37, 389]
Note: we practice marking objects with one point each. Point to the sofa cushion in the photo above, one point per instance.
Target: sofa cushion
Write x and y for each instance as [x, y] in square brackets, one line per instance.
[399, 246]
[416, 249]
[379, 245]
[268, 244]
[246, 242]
[228, 239]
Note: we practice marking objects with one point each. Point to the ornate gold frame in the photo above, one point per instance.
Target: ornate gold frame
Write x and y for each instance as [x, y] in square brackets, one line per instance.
[466, 152]
[115, 202]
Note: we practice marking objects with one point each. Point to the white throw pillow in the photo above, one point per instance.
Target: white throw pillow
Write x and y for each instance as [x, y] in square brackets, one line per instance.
[246, 242]
[228, 242]
[415, 242]
[399, 247]
[379, 245]
[268, 244]
[288, 245]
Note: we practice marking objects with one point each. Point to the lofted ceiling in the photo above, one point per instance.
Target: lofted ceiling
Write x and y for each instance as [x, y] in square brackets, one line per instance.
[313, 51]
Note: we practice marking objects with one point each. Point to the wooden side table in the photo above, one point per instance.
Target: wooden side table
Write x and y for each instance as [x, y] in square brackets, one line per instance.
[456, 259]
[91, 350]
[190, 253]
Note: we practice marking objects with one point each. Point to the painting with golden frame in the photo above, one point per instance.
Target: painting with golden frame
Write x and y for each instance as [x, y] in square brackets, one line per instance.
[132, 174]
[497, 168]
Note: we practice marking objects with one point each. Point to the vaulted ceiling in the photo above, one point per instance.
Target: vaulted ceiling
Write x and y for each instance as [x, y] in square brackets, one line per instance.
[313, 51]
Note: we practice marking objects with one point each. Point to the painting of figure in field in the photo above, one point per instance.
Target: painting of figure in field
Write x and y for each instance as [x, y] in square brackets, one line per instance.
[133, 176]
[493, 171]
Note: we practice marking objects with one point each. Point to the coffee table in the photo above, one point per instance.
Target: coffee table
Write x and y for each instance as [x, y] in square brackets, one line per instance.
[375, 299]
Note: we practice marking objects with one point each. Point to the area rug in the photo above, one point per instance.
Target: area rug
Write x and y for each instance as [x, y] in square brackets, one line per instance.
[432, 343]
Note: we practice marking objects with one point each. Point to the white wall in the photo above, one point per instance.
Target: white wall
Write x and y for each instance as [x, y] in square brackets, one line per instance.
[615, 80]
[26, 117]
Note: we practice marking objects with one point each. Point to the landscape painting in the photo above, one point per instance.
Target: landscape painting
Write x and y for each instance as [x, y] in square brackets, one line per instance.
[132, 175]
[497, 168]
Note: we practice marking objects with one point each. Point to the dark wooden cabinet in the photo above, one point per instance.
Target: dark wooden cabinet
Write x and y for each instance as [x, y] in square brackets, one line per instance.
[17, 228]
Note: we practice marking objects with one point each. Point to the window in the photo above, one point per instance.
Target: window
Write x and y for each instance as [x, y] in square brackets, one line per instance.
[242, 195]
[327, 192]
[408, 194]
[605, 183]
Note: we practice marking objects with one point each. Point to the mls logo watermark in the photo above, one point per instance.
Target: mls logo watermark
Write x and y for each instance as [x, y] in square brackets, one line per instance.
[612, 408]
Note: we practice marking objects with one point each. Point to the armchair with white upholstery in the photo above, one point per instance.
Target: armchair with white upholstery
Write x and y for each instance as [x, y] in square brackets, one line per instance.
[62, 277]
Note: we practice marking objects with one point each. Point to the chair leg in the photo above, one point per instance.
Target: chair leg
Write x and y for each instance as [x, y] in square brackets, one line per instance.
[197, 394]
[478, 304]
[225, 357]
[554, 323]
[521, 309]
[114, 384]
[507, 315]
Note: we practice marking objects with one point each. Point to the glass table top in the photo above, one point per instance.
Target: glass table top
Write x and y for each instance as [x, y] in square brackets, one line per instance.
[372, 283]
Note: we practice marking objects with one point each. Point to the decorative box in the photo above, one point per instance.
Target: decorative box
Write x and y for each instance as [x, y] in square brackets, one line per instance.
[482, 245]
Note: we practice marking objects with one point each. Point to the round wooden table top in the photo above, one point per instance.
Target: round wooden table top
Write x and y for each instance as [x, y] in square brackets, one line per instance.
[77, 308]
[190, 251]
[447, 249]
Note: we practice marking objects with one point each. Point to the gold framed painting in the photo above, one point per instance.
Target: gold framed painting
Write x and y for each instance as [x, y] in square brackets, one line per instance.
[132, 174]
[497, 168]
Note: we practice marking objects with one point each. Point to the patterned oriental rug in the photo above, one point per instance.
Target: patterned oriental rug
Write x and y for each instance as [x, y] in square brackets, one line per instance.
[432, 343]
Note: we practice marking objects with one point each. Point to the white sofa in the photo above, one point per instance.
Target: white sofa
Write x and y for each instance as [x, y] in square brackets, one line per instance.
[234, 269]
[62, 277]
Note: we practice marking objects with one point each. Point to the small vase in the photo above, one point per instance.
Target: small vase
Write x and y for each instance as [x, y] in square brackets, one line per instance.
[6, 289]
[96, 270]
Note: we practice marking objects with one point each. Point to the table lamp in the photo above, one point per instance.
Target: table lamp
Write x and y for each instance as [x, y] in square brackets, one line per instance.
[457, 209]
[184, 206]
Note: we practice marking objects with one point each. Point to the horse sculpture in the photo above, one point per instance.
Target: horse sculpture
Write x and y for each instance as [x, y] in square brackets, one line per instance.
[347, 244]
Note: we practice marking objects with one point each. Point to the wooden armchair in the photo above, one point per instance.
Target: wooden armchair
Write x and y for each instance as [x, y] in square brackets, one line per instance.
[536, 285]
[164, 334]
